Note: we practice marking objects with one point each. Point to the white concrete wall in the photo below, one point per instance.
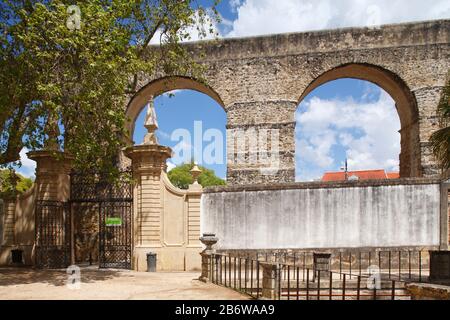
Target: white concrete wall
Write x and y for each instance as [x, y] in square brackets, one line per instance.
[382, 216]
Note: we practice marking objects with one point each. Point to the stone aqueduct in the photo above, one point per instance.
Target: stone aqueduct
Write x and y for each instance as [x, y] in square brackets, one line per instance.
[260, 82]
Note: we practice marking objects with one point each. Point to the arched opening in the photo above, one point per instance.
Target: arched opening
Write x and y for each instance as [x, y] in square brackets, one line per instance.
[191, 119]
[359, 97]
[159, 87]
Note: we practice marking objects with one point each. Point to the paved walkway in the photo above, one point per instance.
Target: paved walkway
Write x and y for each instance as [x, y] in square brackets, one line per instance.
[17, 283]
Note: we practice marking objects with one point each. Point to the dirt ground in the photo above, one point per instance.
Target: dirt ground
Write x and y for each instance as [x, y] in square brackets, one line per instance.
[18, 283]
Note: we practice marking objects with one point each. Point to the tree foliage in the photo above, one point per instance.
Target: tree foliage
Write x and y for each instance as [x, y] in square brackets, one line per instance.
[64, 86]
[441, 138]
[12, 183]
[181, 177]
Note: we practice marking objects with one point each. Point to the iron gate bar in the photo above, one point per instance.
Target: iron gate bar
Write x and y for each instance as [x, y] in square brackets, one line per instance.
[289, 283]
[251, 276]
[307, 284]
[409, 259]
[318, 285]
[114, 199]
[393, 290]
[229, 271]
[358, 287]
[343, 287]
[331, 285]
[52, 234]
[225, 262]
[389, 257]
[420, 265]
[257, 279]
[350, 275]
[234, 272]
[240, 274]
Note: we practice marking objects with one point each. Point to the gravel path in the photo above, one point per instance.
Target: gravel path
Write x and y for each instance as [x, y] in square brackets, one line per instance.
[17, 283]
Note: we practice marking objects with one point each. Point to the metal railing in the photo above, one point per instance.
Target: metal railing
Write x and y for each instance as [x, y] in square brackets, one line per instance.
[401, 265]
[329, 285]
[238, 273]
[357, 275]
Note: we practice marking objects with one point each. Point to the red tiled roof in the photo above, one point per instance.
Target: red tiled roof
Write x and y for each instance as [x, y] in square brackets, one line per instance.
[362, 175]
[393, 175]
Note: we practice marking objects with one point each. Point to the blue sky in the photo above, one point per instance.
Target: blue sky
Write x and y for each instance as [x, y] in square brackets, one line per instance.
[342, 119]
[180, 111]
[346, 118]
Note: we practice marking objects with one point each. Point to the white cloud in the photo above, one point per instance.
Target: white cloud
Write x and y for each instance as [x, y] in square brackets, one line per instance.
[257, 17]
[28, 166]
[170, 165]
[194, 34]
[367, 131]
[234, 4]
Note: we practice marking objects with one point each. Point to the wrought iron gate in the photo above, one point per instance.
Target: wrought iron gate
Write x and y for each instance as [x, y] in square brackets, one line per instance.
[52, 227]
[114, 202]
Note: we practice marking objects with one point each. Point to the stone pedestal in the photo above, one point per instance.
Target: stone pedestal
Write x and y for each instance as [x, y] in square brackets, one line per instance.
[208, 239]
[148, 161]
[270, 281]
[52, 175]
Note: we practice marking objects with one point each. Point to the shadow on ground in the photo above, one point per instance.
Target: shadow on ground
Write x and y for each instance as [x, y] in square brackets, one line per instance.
[18, 276]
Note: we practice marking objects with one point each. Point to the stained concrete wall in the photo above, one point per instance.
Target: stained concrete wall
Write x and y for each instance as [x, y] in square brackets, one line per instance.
[324, 215]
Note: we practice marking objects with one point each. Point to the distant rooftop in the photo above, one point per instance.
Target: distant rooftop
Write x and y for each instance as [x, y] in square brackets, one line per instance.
[360, 175]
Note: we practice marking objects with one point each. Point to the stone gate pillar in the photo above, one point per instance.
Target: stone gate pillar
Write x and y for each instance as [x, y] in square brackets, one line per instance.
[52, 175]
[52, 190]
[148, 161]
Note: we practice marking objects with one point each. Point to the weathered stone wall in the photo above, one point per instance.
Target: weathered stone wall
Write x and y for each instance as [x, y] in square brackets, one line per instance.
[18, 227]
[428, 291]
[9, 207]
[398, 213]
[260, 81]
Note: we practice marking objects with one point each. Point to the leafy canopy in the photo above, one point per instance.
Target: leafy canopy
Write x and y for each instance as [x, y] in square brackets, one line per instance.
[12, 183]
[441, 138]
[181, 177]
[65, 88]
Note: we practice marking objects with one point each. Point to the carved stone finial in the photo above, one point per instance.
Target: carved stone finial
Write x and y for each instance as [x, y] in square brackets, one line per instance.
[52, 128]
[151, 124]
[195, 172]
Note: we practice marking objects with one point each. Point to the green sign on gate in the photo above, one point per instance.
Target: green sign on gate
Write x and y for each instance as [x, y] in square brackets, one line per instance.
[113, 221]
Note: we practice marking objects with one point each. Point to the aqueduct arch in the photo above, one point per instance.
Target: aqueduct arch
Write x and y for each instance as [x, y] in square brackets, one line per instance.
[259, 80]
[405, 103]
[160, 86]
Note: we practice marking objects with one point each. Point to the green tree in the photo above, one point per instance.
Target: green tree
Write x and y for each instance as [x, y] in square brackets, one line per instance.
[65, 72]
[181, 177]
[12, 183]
[441, 138]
